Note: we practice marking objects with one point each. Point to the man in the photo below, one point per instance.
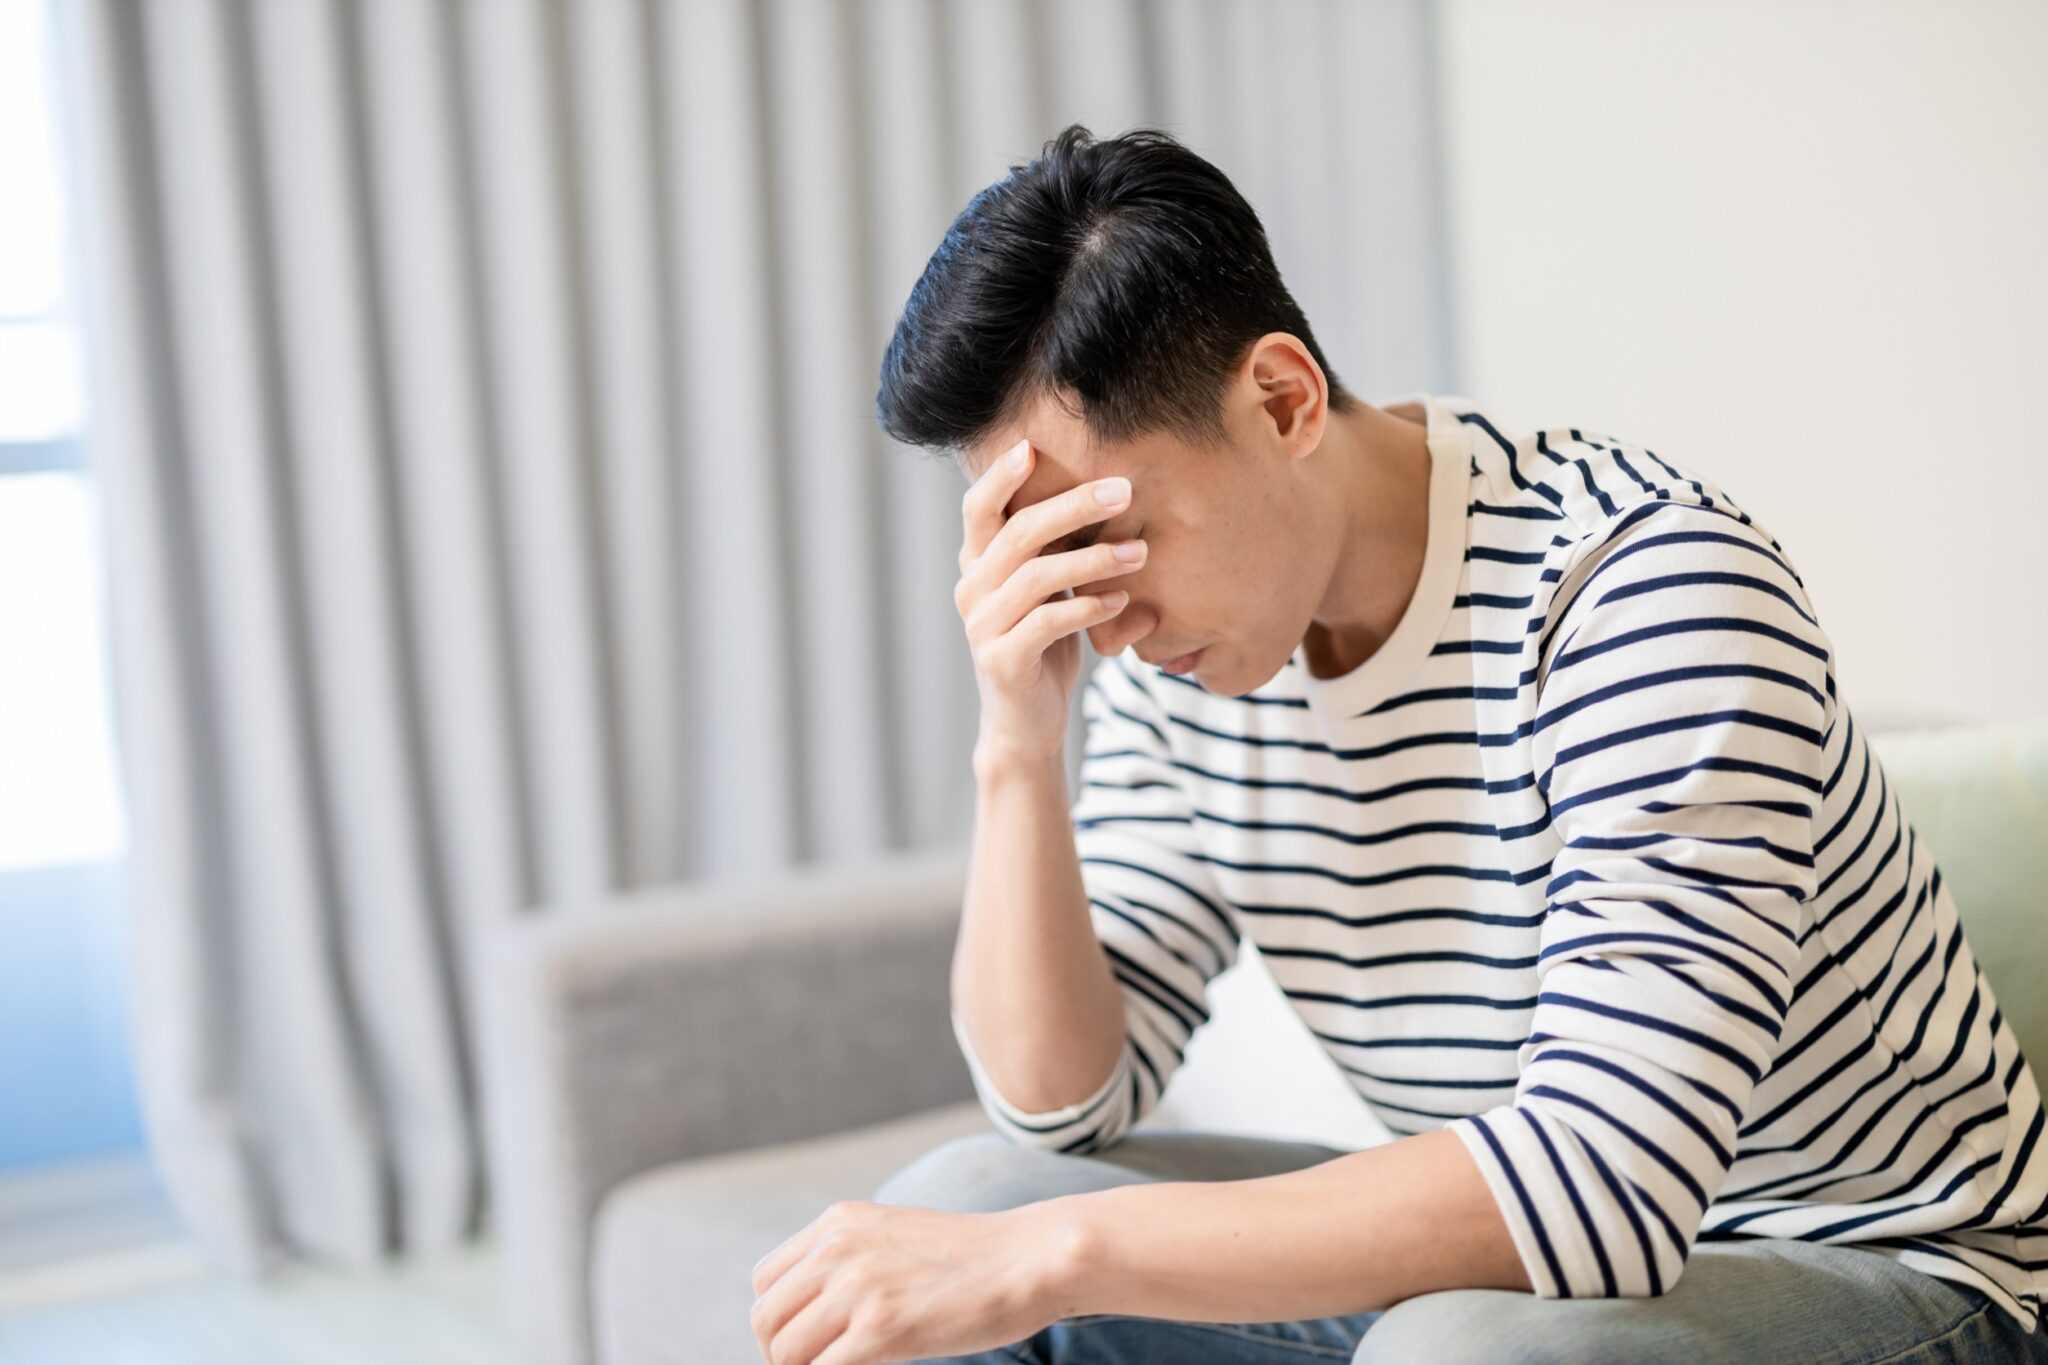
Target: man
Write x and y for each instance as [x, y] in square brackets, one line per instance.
[1522, 759]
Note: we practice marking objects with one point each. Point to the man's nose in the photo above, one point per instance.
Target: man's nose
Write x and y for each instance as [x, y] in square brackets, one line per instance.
[1129, 626]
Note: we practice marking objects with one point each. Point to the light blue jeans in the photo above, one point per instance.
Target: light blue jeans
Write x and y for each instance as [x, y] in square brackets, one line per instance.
[1756, 1300]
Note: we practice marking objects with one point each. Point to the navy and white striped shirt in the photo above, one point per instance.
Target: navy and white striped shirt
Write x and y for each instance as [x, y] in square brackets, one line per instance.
[1589, 862]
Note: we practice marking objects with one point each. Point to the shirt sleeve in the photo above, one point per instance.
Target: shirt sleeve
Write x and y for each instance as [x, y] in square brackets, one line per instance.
[1684, 694]
[1156, 910]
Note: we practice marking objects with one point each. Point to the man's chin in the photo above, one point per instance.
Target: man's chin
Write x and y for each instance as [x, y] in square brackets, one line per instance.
[1216, 675]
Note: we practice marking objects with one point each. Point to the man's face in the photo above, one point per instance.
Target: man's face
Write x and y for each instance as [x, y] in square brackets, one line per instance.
[1222, 572]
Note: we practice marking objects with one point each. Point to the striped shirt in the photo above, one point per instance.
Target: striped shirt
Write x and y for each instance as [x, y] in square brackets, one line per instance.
[1589, 863]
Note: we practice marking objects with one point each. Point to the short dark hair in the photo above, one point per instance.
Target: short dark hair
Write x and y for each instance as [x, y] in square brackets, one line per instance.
[1128, 270]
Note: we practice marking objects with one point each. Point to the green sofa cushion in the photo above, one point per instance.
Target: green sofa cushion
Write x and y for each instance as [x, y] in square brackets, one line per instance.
[1978, 797]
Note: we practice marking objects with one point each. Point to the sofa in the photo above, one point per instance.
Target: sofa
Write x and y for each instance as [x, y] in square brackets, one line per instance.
[681, 1077]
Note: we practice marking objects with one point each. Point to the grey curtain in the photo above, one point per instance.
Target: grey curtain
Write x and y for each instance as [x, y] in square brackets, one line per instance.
[495, 514]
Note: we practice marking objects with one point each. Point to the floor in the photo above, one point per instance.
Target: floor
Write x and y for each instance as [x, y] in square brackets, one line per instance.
[443, 1314]
[112, 1283]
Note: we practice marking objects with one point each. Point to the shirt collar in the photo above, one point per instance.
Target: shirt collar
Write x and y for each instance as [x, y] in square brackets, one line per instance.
[1443, 557]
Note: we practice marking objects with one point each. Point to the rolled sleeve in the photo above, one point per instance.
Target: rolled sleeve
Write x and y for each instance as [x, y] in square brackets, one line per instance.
[1163, 924]
[1684, 697]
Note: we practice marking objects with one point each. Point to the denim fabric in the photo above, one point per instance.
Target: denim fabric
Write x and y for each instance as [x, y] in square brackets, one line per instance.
[1754, 1300]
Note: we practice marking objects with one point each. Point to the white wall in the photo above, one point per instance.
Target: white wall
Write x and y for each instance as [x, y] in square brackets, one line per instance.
[1798, 245]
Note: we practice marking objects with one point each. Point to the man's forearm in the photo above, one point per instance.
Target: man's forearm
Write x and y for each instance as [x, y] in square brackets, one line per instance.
[1354, 1234]
[1030, 981]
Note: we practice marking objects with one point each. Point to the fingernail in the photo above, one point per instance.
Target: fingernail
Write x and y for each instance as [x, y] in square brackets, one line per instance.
[1130, 552]
[1019, 453]
[1110, 492]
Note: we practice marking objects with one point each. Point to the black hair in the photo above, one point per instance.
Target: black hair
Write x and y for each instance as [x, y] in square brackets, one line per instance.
[1127, 270]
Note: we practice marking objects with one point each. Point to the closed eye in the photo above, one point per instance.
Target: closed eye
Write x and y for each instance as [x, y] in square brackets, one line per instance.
[1083, 538]
[1075, 540]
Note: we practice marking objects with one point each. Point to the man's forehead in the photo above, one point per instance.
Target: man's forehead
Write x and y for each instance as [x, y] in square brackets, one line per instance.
[1057, 433]
[1056, 468]
[1060, 458]
[974, 460]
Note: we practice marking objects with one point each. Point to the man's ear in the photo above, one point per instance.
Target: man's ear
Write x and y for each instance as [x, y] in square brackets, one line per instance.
[1293, 393]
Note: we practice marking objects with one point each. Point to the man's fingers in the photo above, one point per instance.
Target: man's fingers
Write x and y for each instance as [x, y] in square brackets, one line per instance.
[1061, 617]
[981, 511]
[769, 1268]
[1042, 578]
[1023, 536]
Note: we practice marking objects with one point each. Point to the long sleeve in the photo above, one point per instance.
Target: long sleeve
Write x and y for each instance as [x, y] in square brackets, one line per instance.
[1155, 908]
[1684, 693]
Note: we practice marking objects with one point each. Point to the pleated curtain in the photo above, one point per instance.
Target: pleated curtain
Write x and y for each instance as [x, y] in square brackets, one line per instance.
[495, 515]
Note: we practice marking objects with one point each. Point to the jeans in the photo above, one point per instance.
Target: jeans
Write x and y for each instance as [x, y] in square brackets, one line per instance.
[1752, 1300]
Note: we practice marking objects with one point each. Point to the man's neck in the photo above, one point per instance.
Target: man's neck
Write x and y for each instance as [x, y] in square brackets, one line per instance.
[1379, 468]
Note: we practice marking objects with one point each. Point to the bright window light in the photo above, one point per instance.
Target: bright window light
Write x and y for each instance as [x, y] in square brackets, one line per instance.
[59, 798]
[40, 397]
[59, 802]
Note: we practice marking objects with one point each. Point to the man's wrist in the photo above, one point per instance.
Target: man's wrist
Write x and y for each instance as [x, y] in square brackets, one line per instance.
[998, 764]
[1058, 1238]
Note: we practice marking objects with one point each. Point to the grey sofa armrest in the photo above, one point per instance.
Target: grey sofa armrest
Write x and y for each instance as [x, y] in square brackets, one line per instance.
[677, 1022]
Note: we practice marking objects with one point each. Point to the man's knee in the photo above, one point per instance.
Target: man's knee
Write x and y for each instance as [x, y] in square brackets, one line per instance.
[986, 1172]
[1469, 1327]
[976, 1173]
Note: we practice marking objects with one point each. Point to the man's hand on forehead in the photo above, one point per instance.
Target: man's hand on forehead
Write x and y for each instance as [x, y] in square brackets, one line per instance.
[1022, 606]
[1060, 480]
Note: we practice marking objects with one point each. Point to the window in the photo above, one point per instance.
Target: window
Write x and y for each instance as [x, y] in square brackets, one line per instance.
[63, 1055]
[41, 398]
